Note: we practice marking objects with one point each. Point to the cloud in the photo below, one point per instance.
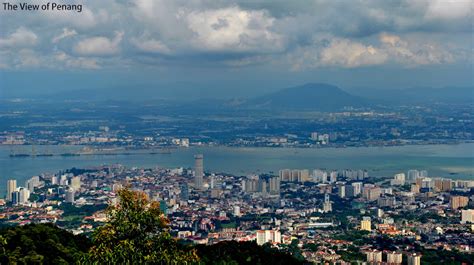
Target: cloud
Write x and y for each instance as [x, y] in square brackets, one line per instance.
[65, 34]
[234, 30]
[319, 33]
[22, 37]
[99, 46]
[346, 53]
[81, 62]
[449, 9]
[151, 45]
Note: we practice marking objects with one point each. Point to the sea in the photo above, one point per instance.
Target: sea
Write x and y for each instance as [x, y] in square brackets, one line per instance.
[453, 161]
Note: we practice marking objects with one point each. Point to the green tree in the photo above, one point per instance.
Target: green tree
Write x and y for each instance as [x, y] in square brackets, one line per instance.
[137, 233]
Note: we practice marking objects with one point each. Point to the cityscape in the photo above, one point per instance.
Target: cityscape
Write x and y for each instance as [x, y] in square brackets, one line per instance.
[333, 215]
[237, 132]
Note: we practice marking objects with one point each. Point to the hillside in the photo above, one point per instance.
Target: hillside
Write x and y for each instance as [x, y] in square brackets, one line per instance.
[312, 96]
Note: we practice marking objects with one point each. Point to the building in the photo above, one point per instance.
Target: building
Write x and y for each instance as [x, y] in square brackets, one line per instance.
[15, 197]
[366, 224]
[398, 179]
[386, 201]
[357, 188]
[295, 175]
[413, 259]
[11, 187]
[342, 191]
[327, 205]
[265, 236]
[394, 258]
[457, 202]
[443, 185]
[237, 211]
[70, 196]
[76, 183]
[371, 193]
[199, 172]
[413, 174]
[467, 216]
[374, 256]
[23, 195]
[184, 195]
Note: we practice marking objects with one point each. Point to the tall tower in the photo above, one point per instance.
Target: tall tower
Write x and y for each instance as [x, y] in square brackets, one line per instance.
[327, 205]
[11, 187]
[198, 171]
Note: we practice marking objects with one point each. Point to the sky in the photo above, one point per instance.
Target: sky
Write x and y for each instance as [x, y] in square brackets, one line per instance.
[236, 48]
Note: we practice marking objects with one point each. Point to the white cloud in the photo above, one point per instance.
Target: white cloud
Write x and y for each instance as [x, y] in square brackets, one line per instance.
[391, 48]
[27, 58]
[449, 9]
[80, 62]
[65, 34]
[347, 53]
[22, 37]
[99, 46]
[233, 29]
[151, 45]
[414, 53]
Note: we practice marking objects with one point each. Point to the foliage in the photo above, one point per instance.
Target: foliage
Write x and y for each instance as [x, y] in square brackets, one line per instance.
[233, 252]
[136, 233]
[40, 243]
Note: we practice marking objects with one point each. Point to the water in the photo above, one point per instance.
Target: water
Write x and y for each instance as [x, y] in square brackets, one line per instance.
[454, 161]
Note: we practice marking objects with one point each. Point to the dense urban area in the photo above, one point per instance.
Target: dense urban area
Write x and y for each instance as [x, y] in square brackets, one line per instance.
[316, 215]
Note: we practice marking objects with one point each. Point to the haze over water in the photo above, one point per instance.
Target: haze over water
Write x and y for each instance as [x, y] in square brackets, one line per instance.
[454, 161]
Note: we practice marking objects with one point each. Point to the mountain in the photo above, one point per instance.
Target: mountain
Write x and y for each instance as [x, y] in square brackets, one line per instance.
[312, 96]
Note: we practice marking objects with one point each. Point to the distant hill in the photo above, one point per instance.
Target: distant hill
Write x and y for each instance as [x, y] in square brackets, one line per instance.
[312, 96]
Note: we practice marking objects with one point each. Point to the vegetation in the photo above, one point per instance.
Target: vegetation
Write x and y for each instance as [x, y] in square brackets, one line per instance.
[42, 244]
[232, 252]
[136, 233]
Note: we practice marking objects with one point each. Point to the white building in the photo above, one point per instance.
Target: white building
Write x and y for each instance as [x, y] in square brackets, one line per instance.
[467, 216]
[264, 236]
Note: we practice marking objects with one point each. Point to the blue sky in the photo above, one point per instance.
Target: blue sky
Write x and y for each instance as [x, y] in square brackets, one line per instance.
[238, 47]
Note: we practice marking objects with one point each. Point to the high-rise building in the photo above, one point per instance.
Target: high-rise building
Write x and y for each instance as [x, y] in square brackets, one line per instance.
[184, 192]
[15, 197]
[70, 196]
[371, 193]
[342, 191]
[357, 188]
[327, 205]
[374, 256]
[23, 195]
[457, 202]
[413, 259]
[264, 236]
[333, 176]
[11, 187]
[199, 172]
[274, 185]
[467, 216]
[443, 185]
[398, 179]
[366, 224]
[349, 191]
[394, 258]
[413, 174]
[76, 183]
